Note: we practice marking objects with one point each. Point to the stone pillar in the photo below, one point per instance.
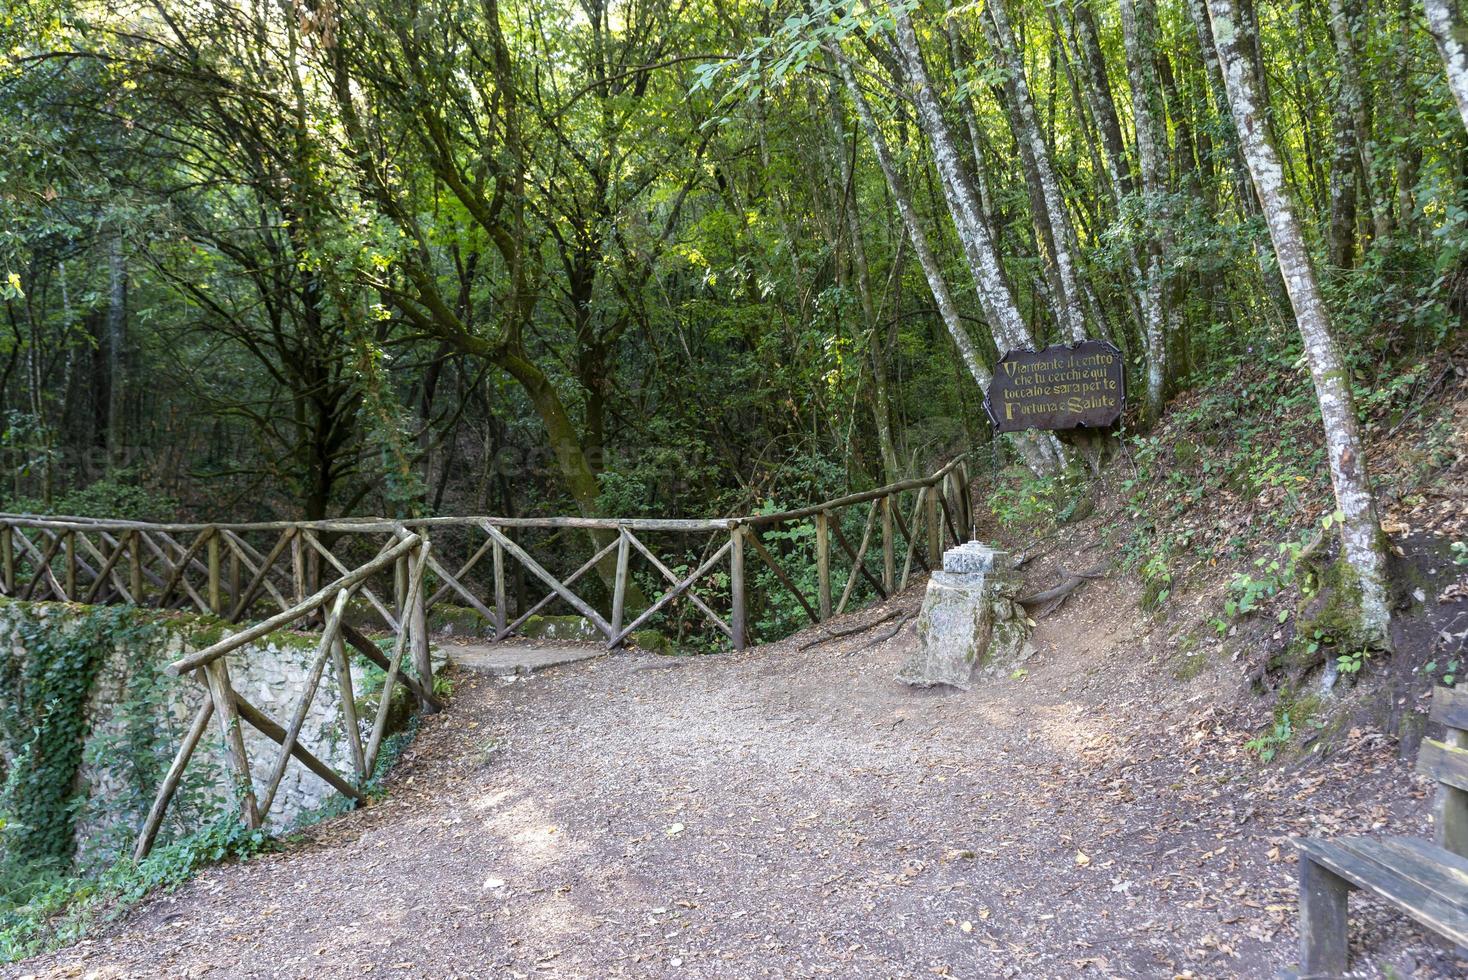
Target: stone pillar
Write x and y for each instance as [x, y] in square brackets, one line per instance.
[969, 619]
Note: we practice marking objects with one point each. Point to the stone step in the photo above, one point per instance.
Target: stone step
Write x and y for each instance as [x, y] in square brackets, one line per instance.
[509, 659]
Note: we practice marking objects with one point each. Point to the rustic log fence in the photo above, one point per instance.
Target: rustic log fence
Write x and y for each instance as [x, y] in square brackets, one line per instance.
[306, 575]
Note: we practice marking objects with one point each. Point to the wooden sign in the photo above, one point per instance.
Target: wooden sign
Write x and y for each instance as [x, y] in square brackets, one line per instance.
[1062, 387]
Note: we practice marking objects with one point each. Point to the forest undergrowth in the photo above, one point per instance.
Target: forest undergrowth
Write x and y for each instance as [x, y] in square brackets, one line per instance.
[1223, 514]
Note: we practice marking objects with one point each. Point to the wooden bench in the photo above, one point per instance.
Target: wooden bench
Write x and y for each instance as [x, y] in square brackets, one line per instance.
[1427, 881]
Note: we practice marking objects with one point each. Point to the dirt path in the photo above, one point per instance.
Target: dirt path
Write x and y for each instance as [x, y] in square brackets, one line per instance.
[786, 813]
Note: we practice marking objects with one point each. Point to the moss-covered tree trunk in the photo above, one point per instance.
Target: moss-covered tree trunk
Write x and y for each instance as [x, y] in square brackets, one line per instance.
[1361, 535]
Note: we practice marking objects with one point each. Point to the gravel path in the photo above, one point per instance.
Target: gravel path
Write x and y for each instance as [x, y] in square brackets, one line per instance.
[792, 813]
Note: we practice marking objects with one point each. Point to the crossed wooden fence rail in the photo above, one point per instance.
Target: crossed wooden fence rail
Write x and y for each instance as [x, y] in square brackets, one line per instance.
[271, 574]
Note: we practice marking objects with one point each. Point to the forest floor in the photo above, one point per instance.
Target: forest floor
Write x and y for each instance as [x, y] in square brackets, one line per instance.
[789, 812]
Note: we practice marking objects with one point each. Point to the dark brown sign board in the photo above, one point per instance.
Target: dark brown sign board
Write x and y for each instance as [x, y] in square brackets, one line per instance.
[1069, 386]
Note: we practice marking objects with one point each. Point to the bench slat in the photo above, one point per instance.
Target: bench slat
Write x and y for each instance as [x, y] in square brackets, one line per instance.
[1450, 707]
[1427, 866]
[1444, 763]
[1343, 857]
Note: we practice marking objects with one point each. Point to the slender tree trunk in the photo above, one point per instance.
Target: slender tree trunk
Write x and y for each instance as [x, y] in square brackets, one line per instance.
[116, 326]
[846, 203]
[1348, 24]
[1005, 320]
[1247, 202]
[1103, 104]
[1062, 242]
[932, 271]
[1446, 25]
[1361, 535]
[1407, 153]
[1346, 123]
[1138, 21]
[1085, 119]
[1041, 451]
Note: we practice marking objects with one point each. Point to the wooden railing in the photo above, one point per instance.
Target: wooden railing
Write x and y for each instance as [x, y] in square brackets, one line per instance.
[231, 708]
[244, 572]
[272, 574]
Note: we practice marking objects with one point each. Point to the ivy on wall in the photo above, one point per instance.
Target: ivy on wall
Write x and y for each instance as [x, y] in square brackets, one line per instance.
[46, 691]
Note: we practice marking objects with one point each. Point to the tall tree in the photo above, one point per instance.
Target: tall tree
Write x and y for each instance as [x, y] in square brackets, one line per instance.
[1361, 534]
[1058, 244]
[1139, 30]
[1446, 24]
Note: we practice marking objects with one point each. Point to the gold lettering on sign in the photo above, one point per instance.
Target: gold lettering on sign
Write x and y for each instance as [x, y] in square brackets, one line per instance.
[1059, 387]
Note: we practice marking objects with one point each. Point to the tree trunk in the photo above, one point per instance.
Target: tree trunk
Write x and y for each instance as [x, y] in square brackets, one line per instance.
[1406, 154]
[1062, 241]
[1446, 26]
[845, 196]
[1103, 104]
[1041, 452]
[116, 327]
[1351, 139]
[1005, 320]
[1139, 34]
[1361, 535]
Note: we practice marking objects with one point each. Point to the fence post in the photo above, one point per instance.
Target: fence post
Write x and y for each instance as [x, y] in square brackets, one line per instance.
[234, 579]
[216, 603]
[135, 562]
[619, 589]
[823, 562]
[955, 507]
[7, 555]
[70, 566]
[217, 677]
[418, 616]
[500, 617]
[935, 529]
[965, 514]
[737, 612]
[298, 564]
[400, 587]
[889, 559]
[350, 725]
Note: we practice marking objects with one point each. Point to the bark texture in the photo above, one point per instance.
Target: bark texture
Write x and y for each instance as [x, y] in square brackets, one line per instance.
[1041, 451]
[1361, 534]
[1139, 34]
[1067, 303]
[1004, 317]
[1446, 25]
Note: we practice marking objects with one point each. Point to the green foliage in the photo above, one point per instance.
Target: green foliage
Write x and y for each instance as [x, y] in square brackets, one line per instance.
[1293, 715]
[48, 691]
[1268, 743]
[1446, 672]
[1026, 500]
[49, 911]
[1352, 662]
[43, 899]
[119, 496]
[1249, 591]
[1156, 575]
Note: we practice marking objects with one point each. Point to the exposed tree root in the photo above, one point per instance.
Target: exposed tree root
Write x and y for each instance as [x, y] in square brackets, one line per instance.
[1046, 602]
[828, 635]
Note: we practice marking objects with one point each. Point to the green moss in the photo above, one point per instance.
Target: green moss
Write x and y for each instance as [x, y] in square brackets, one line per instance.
[1188, 665]
[459, 621]
[652, 641]
[1006, 639]
[1332, 614]
[559, 628]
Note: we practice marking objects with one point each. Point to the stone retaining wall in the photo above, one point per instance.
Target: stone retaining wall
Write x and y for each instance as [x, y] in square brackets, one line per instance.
[136, 717]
